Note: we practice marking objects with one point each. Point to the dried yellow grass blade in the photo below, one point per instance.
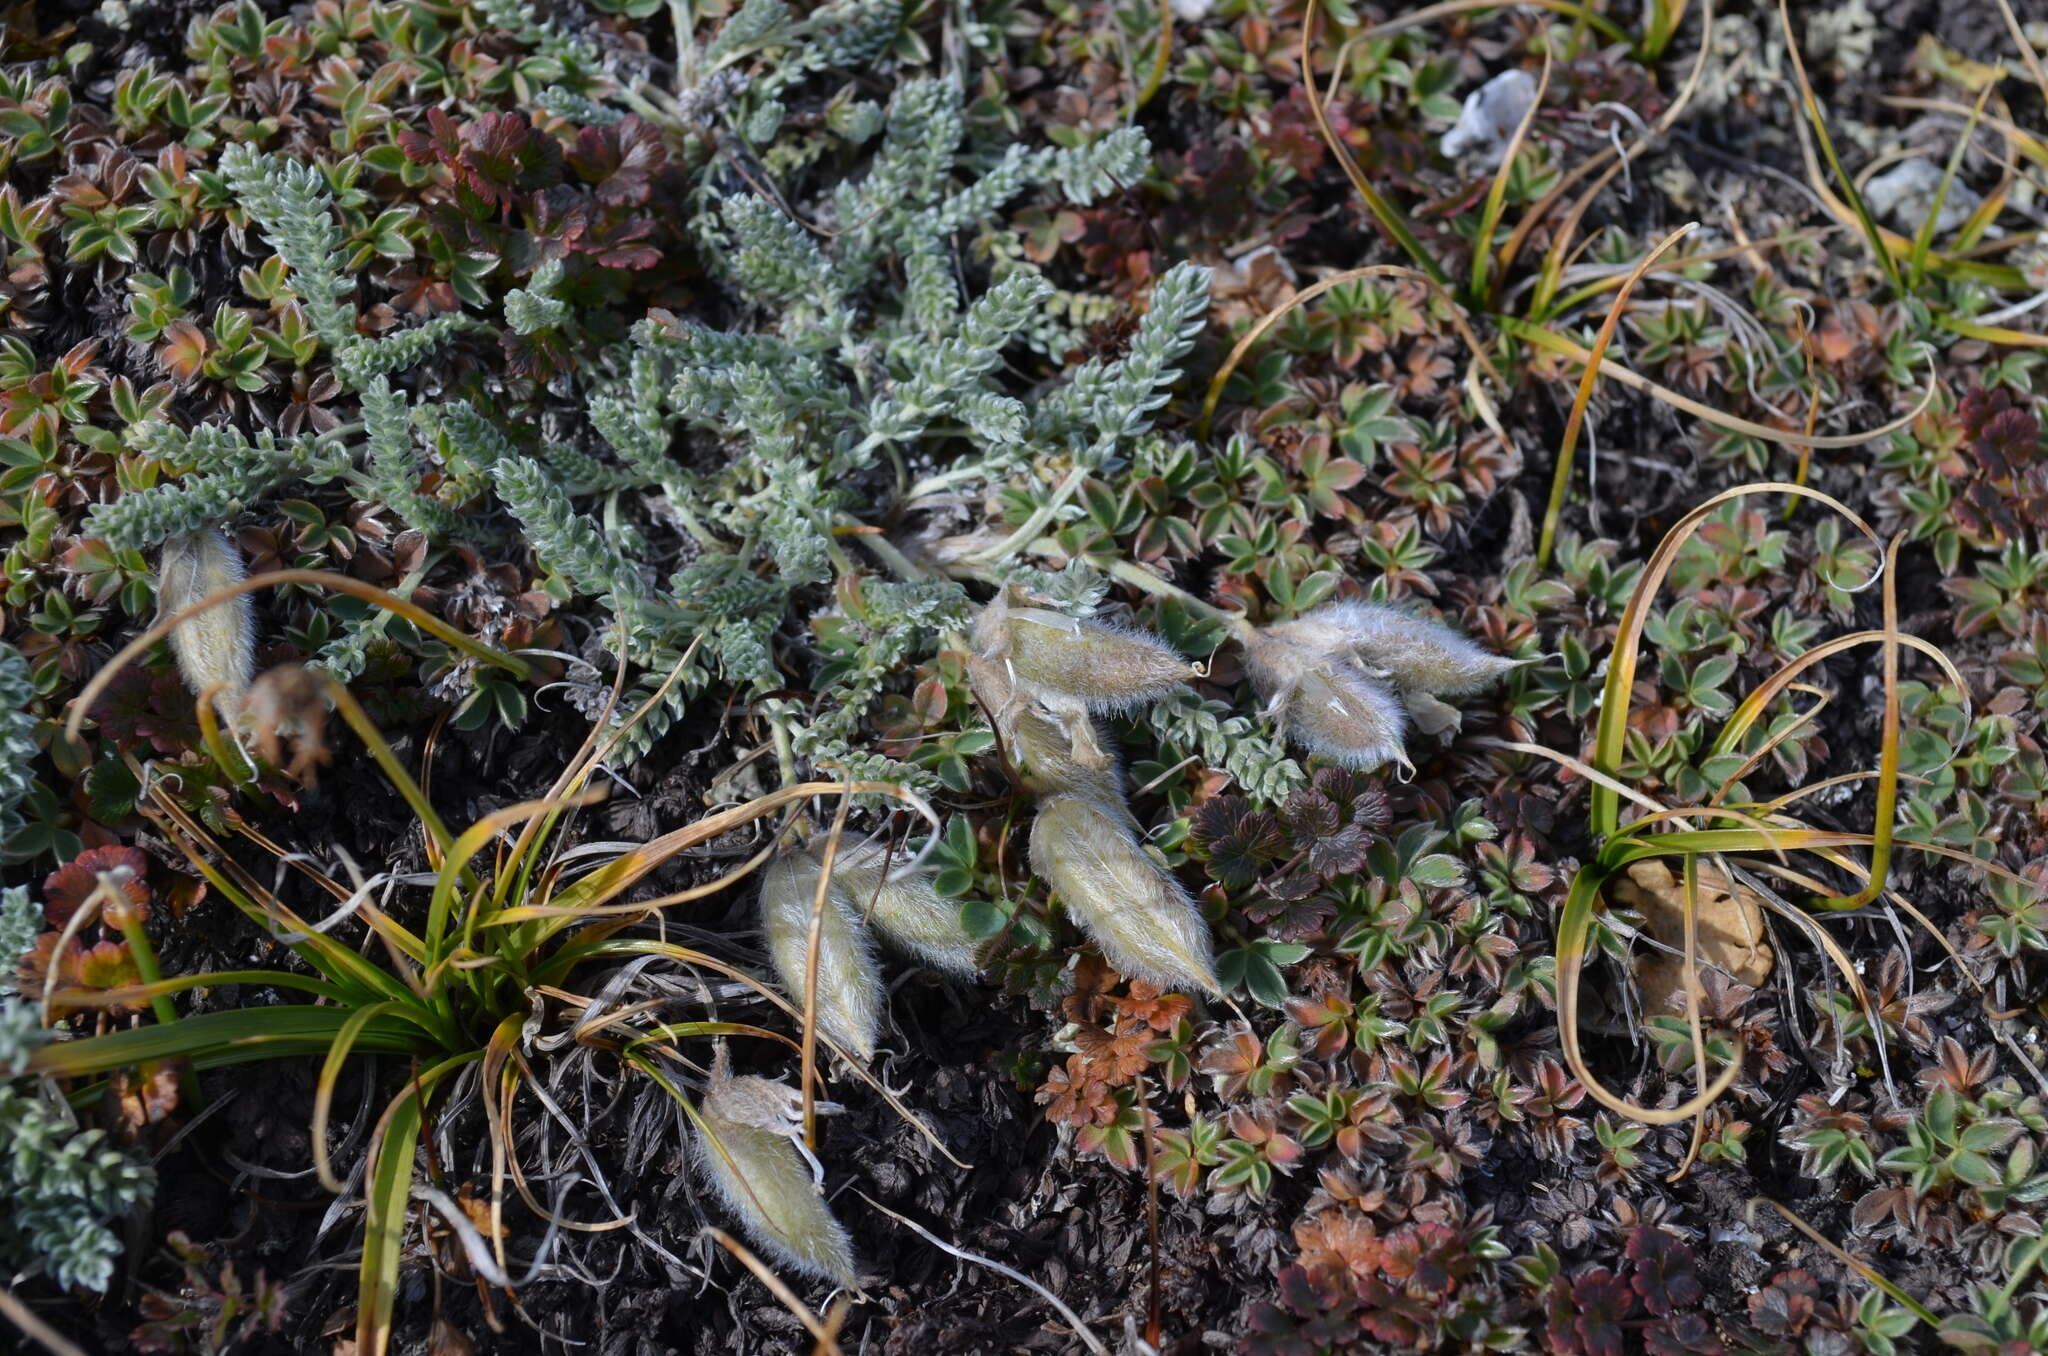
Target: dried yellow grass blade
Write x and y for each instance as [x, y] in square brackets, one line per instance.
[1561, 478]
[1558, 344]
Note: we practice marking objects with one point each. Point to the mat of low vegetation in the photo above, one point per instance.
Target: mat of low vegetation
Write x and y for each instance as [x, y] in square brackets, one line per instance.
[1282, 676]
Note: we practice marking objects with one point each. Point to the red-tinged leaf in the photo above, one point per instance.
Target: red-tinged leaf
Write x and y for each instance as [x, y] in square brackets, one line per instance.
[1394, 1316]
[1326, 1021]
[66, 889]
[505, 158]
[1431, 1257]
[621, 161]
[109, 965]
[1603, 1302]
[144, 1096]
[139, 706]
[33, 969]
[1161, 1012]
[1664, 1274]
[441, 143]
[1237, 841]
[1785, 1306]
[1682, 1335]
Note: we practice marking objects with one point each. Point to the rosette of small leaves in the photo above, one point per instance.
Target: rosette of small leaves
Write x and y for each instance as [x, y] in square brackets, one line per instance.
[773, 259]
[1074, 588]
[59, 1185]
[17, 751]
[758, 23]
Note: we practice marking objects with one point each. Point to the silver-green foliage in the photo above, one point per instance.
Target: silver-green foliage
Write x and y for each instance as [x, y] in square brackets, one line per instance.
[1243, 747]
[20, 924]
[228, 472]
[59, 1185]
[763, 440]
[17, 745]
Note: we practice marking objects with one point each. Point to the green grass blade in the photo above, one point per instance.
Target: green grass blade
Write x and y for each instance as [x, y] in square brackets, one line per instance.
[387, 1199]
[1923, 239]
[1561, 478]
[215, 1039]
[386, 1204]
[71, 1000]
[1384, 212]
[1611, 733]
[1811, 105]
[1574, 928]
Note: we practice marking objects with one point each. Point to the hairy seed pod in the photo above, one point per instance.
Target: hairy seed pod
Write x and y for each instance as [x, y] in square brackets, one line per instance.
[1420, 655]
[1090, 664]
[217, 648]
[1039, 745]
[1324, 699]
[905, 909]
[1144, 920]
[849, 984]
[764, 1182]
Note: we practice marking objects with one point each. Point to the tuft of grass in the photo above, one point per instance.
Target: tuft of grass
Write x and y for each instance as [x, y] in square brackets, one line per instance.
[505, 924]
[1763, 836]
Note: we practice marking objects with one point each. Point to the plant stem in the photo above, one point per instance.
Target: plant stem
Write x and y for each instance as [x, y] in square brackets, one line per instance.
[1040, 518]
[945, 480]
[785, 754]
[1138, 577]
[887, 551]
[144, 955]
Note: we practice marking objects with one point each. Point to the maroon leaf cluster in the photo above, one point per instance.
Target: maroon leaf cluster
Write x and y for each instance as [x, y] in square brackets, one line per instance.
[2007, 489]
[1322, 832]
[583, 201]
